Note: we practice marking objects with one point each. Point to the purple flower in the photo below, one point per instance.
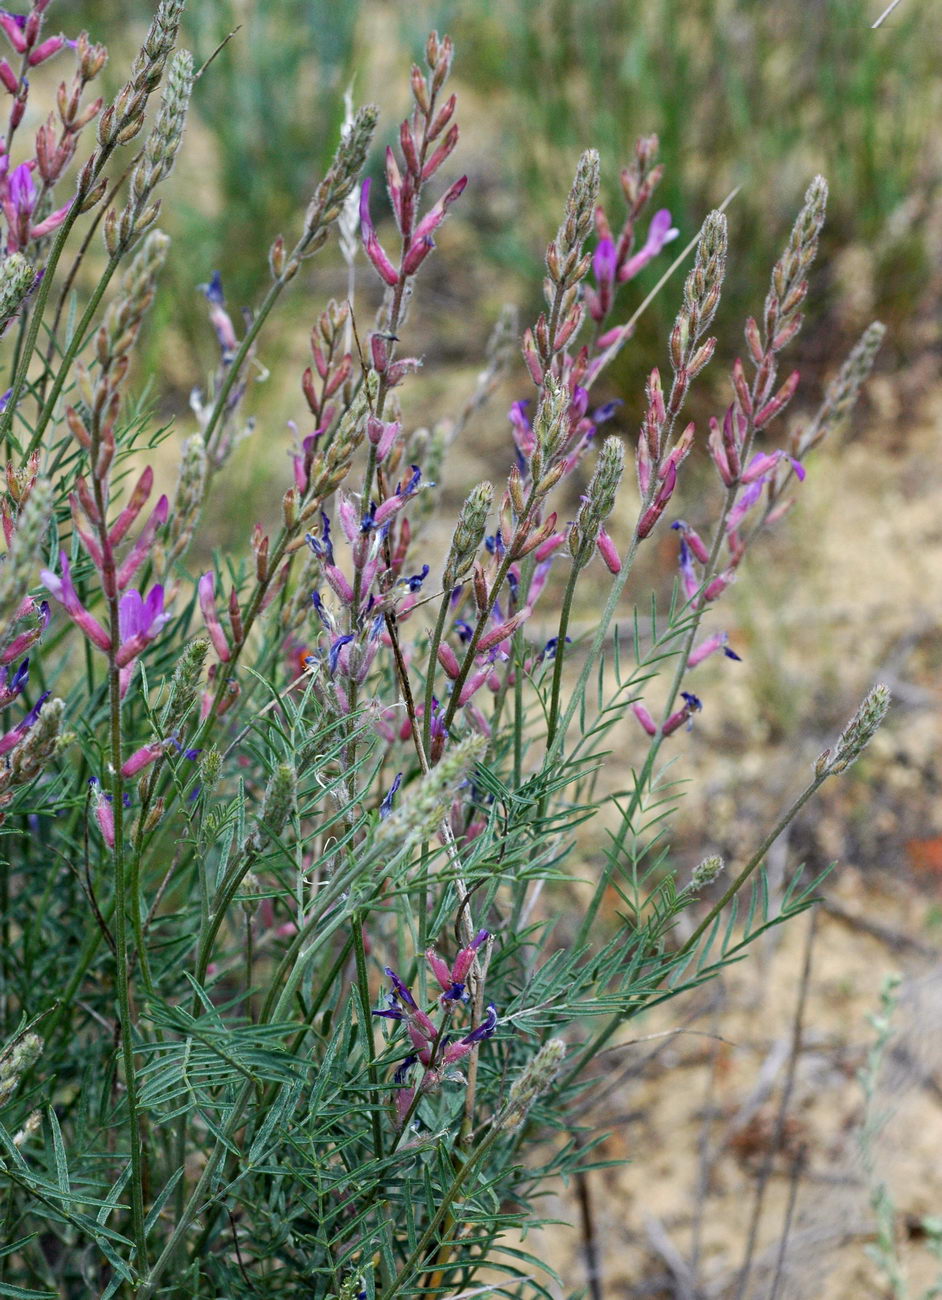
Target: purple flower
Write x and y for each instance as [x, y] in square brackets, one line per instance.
[402, 1070]
[371, 245]
[605, 261]
[415, 582]
[392, 1011]
[321, 610]
[191, 754]
[660, 232]
[687, 572]
[386, 806]
[523, 434]
[22, 191]
[213, 290]
[718, 641]
[464, 1045]
[399, 989]
[485, 1029]
[421, 1027]
[15, 27]
[322, 546]
[10, 687]
[549, 650]
[219, 318]
[334, 653]
[14, 736]
[19, 204]
[747, 499]
[139, 621]
[603, 413]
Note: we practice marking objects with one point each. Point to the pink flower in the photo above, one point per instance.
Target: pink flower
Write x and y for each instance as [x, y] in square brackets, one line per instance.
[141, 548]
[104, 813]
[142, 758]
[371, 245]
[207, 592]
[63, 590]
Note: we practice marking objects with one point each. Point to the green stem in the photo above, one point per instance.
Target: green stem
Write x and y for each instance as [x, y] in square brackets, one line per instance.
[485, 614]
[787, 817]
[363, 989]
[414, 1263]
[249, 962]
[75, 343]
[242, 352]
[558, 658]
[55, 252]
[430, 671]
[122, 962]
[604, 1034]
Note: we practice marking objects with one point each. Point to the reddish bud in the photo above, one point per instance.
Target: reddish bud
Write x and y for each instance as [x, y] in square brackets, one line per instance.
[778, 402]
[409, 152]
[441, 153]
[754, 340]
[442, 118]
[609, 552]
[449, 660]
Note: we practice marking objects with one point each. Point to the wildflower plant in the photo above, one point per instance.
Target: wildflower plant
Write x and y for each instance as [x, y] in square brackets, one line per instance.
[286, 1009]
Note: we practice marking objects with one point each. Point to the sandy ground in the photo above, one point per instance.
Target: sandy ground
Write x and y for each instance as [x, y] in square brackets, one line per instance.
[695, 1118]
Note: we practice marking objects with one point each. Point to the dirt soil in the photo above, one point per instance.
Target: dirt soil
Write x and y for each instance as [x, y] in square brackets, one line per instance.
[692, 1098]
[695, 1118]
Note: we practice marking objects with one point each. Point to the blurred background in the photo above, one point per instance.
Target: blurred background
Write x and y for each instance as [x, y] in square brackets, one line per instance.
[848, 591]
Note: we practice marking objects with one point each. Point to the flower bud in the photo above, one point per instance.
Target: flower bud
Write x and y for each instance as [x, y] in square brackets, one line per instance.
[705, 873]
[861, 729]
[536, 1080]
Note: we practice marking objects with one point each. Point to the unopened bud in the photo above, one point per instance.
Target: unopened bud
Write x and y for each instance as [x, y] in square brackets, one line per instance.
[276, 257]
[469, 533]
[705, 872]
[536, 1080]
[861, 729]
[16, 280]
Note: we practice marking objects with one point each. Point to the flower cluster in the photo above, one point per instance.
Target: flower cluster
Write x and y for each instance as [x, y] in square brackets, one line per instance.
[27, 204]
[434, 1049]
[753, 479]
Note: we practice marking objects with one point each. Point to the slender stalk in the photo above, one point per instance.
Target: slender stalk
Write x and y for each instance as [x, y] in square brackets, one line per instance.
[413, 1264]
[559, 657]
[249, 963]
[55, 252]
[765, 1173]
[483, 618]
[72, 351]
[366, 1010]
[430, 671]
[601, 1038]
[122, 956]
